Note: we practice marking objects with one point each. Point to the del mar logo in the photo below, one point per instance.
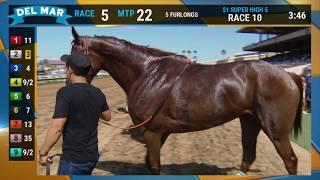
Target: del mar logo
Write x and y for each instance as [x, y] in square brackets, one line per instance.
[51, 11]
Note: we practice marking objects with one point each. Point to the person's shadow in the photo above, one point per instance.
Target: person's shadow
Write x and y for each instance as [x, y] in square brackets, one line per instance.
[122, 109]
[126, 168]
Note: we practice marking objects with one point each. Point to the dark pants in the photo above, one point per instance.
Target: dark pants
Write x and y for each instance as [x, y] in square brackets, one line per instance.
[70, 168]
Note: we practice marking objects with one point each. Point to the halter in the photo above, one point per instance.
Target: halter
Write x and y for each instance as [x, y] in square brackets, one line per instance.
[84, 49]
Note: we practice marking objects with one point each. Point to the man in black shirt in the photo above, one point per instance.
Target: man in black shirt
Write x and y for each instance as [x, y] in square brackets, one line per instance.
[79, 106]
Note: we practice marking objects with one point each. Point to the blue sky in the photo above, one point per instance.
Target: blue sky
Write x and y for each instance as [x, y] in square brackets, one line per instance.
[208, 41]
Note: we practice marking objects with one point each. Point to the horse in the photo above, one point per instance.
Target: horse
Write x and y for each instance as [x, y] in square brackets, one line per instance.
[178, 96]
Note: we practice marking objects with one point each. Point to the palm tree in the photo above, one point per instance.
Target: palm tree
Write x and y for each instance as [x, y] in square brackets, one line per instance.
[223, 52]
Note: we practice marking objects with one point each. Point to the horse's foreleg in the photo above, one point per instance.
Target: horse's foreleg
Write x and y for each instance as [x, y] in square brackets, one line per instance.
[163, 140]
[250, 130]
[153, 142]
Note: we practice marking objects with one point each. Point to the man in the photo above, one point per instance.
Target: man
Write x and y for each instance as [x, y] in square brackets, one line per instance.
[78, 108]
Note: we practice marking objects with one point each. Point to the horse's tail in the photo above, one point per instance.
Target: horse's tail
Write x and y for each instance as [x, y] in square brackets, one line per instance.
[297, 122]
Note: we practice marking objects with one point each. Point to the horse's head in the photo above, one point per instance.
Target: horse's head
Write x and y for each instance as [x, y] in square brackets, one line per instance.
[82, 44]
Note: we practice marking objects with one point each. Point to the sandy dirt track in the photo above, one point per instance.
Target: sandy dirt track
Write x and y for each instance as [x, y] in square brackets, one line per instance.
[214, 151]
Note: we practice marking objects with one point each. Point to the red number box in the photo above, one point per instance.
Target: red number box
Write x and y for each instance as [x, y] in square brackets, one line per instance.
[16, 124]
[15, 39]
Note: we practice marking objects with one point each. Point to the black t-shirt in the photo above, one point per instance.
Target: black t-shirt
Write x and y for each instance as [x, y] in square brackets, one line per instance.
[82, 105]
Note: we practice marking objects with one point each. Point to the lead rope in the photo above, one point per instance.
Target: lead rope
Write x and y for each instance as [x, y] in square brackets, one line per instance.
[158, 109]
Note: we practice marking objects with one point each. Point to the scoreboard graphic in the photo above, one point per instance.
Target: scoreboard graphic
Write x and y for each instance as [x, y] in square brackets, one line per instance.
[22, 94]
[161, 14]
[31, 79]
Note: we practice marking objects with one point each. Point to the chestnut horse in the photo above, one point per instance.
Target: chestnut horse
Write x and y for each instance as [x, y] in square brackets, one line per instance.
[183, 97]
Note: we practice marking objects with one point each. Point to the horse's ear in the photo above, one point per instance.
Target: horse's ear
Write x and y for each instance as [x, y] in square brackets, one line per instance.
[74, 33]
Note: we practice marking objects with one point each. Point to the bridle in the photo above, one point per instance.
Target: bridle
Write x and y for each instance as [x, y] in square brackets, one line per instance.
[83, 49]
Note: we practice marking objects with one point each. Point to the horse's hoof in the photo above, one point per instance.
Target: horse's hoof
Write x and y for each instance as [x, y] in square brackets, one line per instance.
[147, 163]
[155, 171]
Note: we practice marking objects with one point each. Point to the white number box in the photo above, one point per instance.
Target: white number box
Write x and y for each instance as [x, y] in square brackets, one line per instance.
[15, 54]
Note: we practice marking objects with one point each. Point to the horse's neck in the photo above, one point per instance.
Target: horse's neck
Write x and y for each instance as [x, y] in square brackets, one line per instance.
[124, 72]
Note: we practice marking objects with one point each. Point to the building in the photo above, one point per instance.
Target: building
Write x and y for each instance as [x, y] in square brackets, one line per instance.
[282, 46]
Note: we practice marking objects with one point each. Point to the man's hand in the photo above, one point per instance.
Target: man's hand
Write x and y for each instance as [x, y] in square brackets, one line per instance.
[43, 160]
[53, 135]
[106, 115]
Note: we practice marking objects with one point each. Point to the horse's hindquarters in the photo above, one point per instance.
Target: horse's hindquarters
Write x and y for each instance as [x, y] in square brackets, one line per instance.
[277, 97]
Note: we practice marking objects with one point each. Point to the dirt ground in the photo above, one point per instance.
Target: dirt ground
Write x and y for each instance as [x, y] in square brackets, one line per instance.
[215, 151]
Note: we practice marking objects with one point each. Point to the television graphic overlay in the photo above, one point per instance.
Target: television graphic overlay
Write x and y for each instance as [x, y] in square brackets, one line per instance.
[199, 89]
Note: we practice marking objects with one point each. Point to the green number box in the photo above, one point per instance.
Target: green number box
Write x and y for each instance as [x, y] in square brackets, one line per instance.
[15, 152]
[15, 96]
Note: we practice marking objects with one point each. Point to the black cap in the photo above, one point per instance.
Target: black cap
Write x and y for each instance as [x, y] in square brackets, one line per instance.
[76, 60]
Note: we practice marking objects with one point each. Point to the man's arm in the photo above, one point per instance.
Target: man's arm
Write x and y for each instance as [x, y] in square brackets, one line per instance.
[53, 135]
[106, 115]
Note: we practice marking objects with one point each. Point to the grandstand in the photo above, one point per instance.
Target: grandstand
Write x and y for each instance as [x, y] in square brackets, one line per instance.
[283, 46]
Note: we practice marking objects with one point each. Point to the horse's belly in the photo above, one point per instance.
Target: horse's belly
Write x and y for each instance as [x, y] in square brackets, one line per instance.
[189, 125]
[197, 116]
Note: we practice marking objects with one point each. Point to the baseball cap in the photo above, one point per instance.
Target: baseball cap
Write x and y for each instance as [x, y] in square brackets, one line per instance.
[76, 60]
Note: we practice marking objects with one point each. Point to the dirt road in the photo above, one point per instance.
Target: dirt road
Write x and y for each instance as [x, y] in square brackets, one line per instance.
[214, 151]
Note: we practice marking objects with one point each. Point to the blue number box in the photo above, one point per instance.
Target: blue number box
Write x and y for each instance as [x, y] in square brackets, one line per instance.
[15, 68]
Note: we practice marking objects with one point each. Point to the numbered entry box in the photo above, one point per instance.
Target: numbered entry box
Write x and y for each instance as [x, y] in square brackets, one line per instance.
[15, 68]
[15, 152]
[15, 54]
[15, 82]
[15, 138]
[15, 109]
[16, 124]
[15, 96]
[15, 40]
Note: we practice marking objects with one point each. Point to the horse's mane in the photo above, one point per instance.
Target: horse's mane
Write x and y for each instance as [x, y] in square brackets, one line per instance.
[145, 49]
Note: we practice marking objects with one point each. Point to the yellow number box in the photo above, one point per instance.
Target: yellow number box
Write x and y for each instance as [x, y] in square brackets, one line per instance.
[15, 82]
[27, 54]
